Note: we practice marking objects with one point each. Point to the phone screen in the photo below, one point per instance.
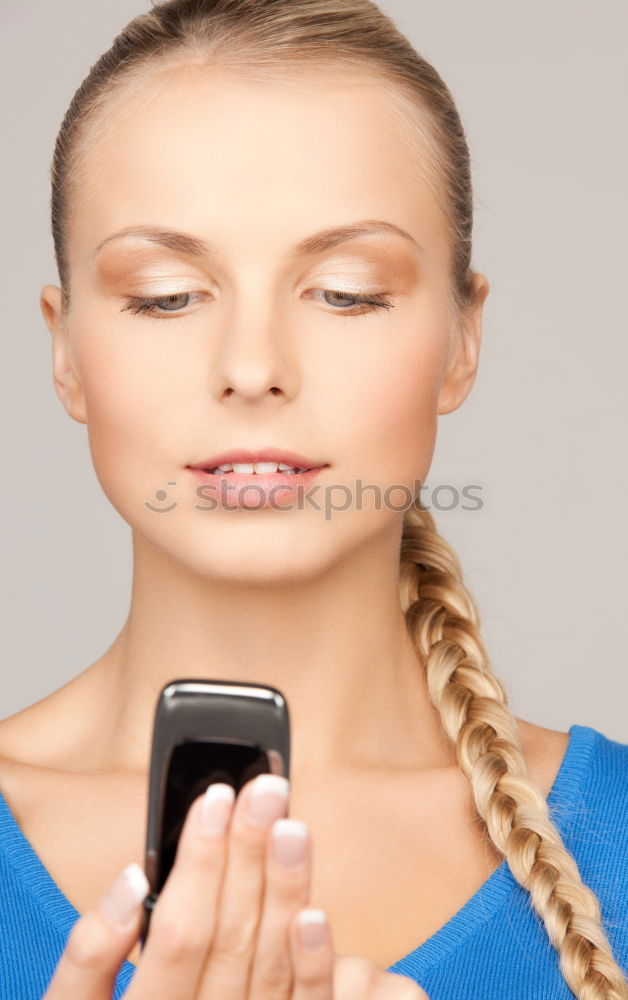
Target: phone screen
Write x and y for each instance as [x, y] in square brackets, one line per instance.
[193, 766]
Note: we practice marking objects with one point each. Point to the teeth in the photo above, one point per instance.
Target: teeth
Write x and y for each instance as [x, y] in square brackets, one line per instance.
[258, 467]
[265, 466]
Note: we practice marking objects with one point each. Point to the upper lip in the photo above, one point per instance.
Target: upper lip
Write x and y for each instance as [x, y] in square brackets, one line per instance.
[247, 455]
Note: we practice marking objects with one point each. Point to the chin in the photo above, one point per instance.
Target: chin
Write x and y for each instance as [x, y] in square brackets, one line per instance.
[232, 556]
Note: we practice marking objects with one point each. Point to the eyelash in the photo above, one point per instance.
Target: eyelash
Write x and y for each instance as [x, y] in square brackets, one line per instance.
[146, 306]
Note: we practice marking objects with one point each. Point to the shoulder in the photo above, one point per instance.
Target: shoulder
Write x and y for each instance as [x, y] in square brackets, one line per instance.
[614, 753]
[583, 773]
[604, 762]
[47, 732]
[595, 821]
[544, 751]
[589, 805]
[603, 759]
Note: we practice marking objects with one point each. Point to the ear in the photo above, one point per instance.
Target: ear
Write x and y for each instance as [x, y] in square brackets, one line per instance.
[67, 382]
[462, 365]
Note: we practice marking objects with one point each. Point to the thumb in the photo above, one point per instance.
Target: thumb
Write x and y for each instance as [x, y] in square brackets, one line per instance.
[100, 940]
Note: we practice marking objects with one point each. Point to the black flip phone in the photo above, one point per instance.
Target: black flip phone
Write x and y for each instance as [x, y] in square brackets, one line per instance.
[206, 731]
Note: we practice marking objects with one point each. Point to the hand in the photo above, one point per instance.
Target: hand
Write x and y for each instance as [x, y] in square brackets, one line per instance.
[225, 924]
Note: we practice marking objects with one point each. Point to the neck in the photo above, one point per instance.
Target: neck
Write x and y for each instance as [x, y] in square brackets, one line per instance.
[335, 645]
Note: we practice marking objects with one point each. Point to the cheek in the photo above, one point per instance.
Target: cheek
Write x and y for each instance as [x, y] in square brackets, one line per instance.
[397, 407]
[127, 414]
[406, 429]
[409, 418]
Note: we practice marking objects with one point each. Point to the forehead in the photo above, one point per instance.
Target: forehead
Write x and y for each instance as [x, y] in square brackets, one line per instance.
[247, 159]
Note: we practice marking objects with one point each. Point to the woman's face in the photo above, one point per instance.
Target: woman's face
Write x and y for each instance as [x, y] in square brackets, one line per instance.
[257, 348]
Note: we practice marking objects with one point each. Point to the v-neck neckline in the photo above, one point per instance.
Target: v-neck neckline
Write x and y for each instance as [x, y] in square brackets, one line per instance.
[466, 921]
[485, 901]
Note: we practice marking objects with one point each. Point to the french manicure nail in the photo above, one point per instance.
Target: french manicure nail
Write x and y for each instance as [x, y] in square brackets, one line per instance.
[312, 928]
[289, 842]
[216, 808]
[119, 904]
[268, 797]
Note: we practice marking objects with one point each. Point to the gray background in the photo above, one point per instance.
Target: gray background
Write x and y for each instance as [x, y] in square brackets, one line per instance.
[541, 88]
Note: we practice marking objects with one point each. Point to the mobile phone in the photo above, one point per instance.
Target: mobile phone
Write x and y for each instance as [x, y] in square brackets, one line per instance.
[203, 732]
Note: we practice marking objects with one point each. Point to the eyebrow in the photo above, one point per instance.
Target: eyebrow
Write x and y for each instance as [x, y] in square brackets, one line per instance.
[193, 246]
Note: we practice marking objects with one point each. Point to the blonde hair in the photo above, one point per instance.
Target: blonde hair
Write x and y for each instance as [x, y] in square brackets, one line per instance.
[266, 39]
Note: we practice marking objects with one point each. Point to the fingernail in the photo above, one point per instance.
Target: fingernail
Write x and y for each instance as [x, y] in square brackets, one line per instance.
[312, 928]
[289, 842]
[119, 904]
[268, 797]
[216, 808]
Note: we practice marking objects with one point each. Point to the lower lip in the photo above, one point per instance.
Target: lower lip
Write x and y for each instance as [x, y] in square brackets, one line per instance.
[270, 489]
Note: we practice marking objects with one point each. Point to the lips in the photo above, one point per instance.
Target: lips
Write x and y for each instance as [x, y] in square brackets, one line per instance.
[246, 455]
[256, 490]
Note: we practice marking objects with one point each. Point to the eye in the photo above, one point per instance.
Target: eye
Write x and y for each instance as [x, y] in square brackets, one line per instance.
[165, 303]
[371, 302]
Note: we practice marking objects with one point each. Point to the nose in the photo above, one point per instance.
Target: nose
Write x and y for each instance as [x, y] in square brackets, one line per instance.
[255, 356]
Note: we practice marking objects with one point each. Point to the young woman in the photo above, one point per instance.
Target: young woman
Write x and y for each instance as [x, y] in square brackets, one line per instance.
[262, 218]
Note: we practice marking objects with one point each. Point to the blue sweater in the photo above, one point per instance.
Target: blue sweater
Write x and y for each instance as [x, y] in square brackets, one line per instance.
[494, 948]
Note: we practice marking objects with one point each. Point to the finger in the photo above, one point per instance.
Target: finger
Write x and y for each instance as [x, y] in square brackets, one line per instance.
[354, 976]
[312, 956]
[398, 987]
[100, 940]
[184, 917]
[260, 802]
[287, 888]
